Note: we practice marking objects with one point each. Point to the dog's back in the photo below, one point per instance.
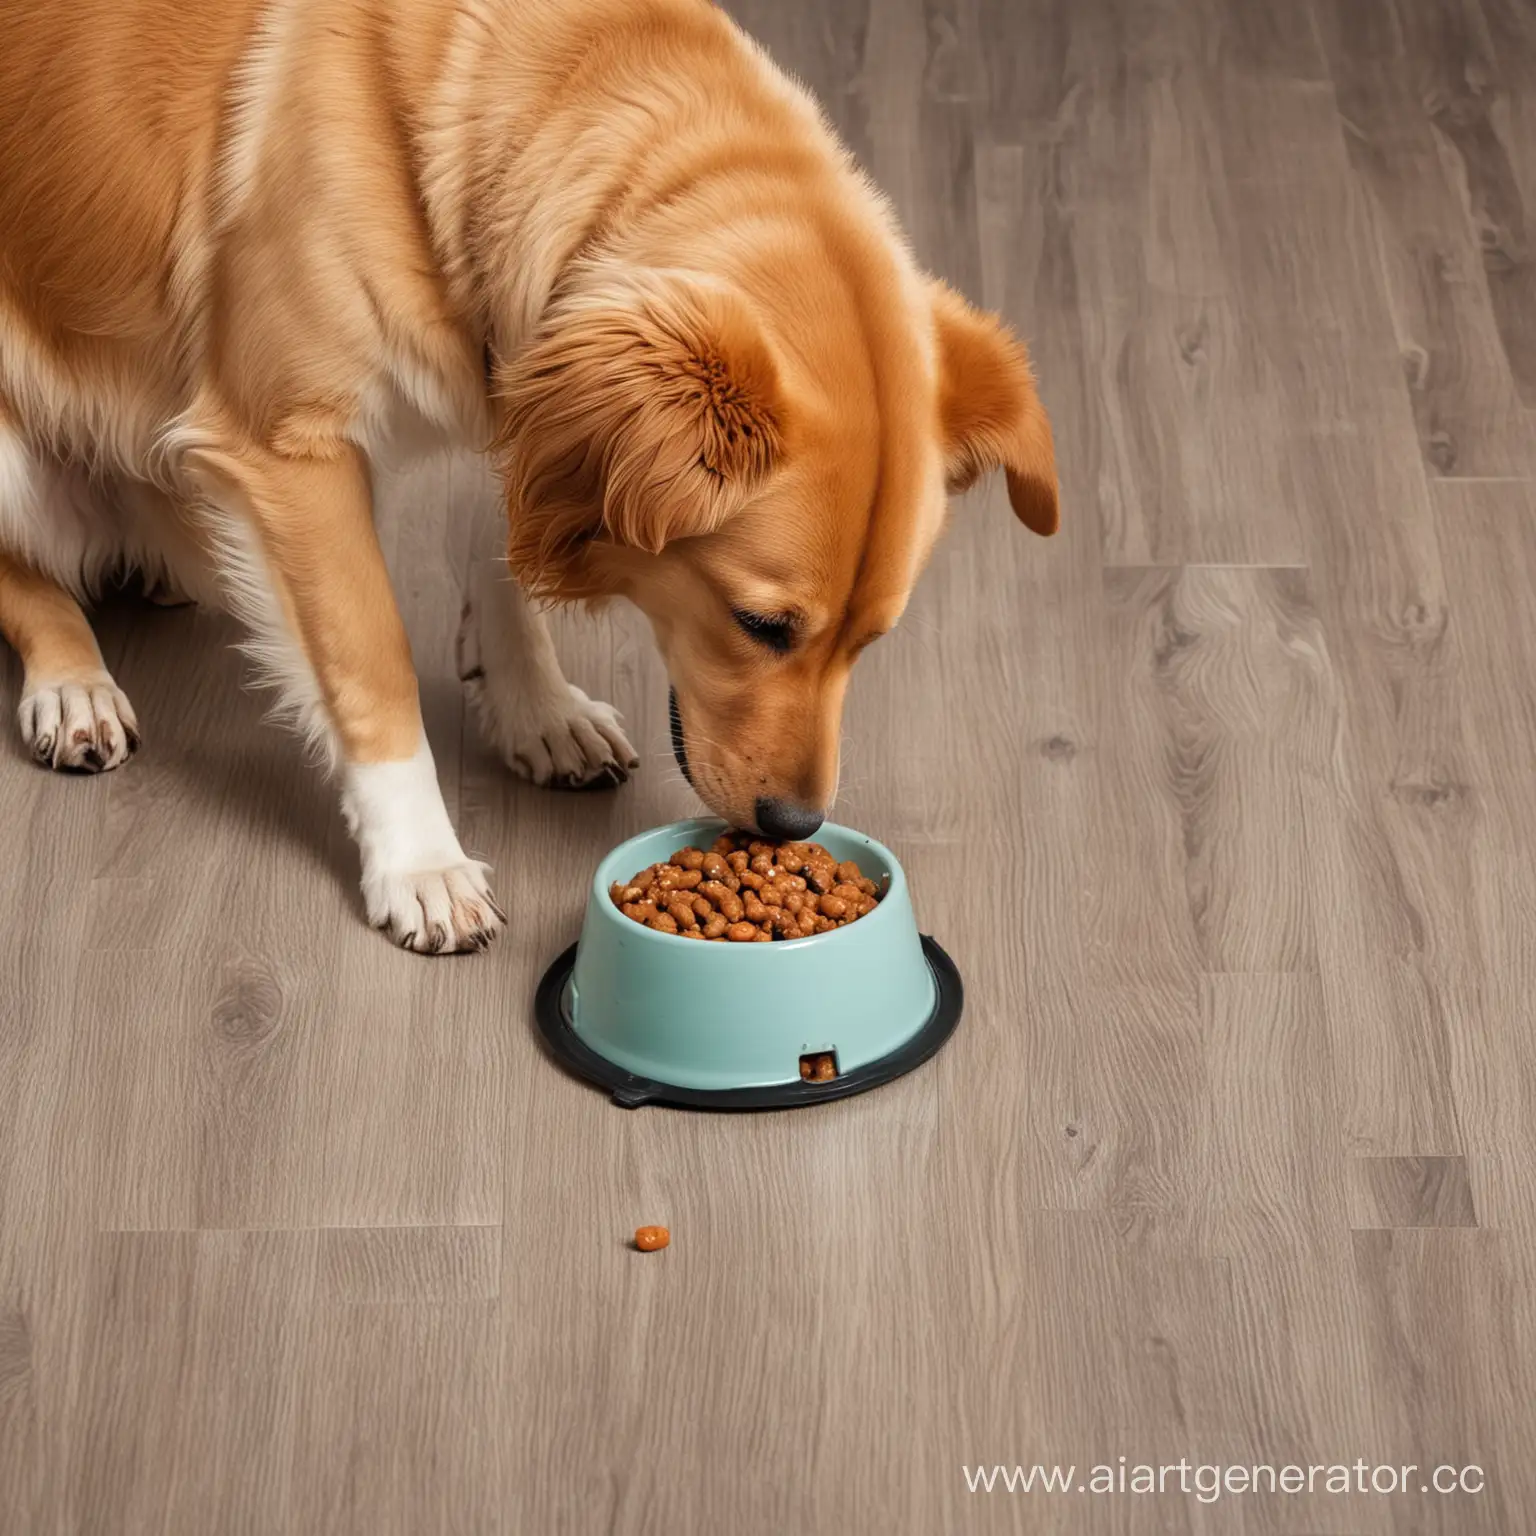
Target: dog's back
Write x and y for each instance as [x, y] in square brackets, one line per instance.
[110, 112]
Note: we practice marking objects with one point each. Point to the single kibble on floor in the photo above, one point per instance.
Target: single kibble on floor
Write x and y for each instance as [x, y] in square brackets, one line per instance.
[746, 891]
[649, 1239]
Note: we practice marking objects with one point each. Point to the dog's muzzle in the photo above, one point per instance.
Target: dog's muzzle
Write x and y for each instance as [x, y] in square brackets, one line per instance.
[679, 751]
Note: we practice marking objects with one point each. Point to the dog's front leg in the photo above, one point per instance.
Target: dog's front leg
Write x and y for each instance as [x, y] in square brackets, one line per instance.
[302, 560]
[545, 728]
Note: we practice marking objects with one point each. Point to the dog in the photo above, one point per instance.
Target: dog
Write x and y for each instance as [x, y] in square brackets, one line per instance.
[247, 247]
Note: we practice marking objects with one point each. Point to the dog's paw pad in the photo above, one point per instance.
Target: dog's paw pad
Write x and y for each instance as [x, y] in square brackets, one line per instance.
[81, 726]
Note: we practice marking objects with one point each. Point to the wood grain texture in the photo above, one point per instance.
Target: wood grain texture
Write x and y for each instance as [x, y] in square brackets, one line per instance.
[1411, 1192]
[1221, 800]
[1416, 100]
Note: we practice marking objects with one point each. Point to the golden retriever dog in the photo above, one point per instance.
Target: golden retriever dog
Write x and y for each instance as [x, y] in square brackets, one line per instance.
[246, 245]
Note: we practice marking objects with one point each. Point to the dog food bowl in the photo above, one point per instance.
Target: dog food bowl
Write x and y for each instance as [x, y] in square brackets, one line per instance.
[659, 1019]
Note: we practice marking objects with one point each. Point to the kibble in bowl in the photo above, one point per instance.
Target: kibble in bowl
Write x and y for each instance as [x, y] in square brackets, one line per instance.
[747, 890]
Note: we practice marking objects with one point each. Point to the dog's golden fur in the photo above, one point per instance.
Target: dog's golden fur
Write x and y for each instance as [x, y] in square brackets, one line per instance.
[242, 240]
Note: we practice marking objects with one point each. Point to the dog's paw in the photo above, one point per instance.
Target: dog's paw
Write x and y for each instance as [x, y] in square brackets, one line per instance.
[436, 911]
[83, 725]
[546, 729]
[575, 743]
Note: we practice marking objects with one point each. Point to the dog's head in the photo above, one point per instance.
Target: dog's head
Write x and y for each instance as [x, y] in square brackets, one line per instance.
[764, 476]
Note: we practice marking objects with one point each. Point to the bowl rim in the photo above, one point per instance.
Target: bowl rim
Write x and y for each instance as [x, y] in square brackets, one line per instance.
[897, 887]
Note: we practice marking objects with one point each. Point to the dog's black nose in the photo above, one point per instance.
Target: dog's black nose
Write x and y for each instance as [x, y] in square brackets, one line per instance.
[784, 821]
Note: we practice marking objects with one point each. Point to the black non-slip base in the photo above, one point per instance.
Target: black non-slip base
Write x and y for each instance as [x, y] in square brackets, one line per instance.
[571, 1051]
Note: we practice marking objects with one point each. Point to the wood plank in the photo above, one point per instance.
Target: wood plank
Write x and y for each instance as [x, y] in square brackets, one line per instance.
[1224, 709]
[1488, 533]
[1495, 140]
[376, 1264]
[1436, 1301]
[1488, 537]
[1411, 76]
[401, 1422]
[186, 1381]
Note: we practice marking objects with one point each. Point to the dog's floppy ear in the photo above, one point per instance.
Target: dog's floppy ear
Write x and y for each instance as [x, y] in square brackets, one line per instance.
[989, 412]
[647, 410]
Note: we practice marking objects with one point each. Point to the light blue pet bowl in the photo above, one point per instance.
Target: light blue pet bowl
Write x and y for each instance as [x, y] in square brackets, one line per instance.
[659, 1019]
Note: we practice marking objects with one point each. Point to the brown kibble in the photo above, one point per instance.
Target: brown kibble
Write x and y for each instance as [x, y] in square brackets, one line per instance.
[746, 891]
[650, 1239]
[818, 1067]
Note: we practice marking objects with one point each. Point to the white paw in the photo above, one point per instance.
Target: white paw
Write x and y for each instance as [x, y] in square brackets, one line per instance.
[418, 885]
[547, 731]
[85, 725]
[435, 911]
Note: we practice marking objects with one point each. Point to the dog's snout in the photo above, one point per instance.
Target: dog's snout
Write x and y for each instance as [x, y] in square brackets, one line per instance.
[784, 821]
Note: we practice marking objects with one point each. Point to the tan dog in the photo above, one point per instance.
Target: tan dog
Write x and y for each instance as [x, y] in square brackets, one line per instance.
[243, 241]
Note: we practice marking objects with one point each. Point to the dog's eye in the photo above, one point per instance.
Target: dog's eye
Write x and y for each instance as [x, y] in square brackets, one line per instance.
[777, 633]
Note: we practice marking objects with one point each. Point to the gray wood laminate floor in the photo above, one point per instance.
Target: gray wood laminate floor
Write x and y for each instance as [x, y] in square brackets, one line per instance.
[1223, 801]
